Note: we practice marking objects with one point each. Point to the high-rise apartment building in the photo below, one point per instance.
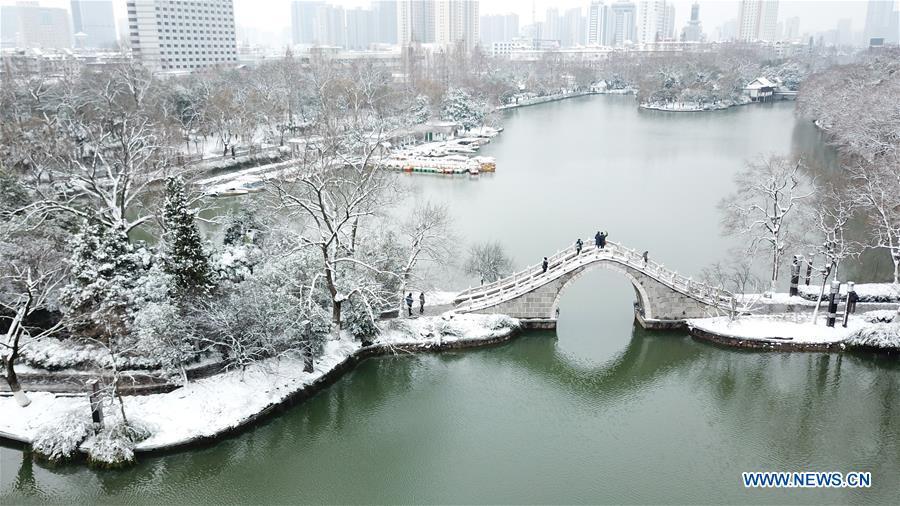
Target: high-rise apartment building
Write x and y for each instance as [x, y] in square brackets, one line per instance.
[552, 24]
[693, 32]
[757, 20]
[96, 21]
[360, 28]
[669, 22]
[329, 27]
[597, 24]
[415, 21]
[621, 23]
[573, 30]
[881, 22]
[656, 21]
[498, 28]
[27, 25]
[792, 28]
[844, 35]
[455, 22]
[386, 21]
[303, 19]
[182, 35]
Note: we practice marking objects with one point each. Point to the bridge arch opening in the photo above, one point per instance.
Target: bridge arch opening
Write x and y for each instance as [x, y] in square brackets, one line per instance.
[642, 300]
[595, 324]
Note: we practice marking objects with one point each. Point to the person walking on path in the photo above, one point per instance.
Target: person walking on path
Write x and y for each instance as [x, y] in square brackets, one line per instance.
[597, 239]
[545, 264]
[409, 303]
[852, 298]
[422, 303]
[578, 245]
[645, 255]
[232, 151]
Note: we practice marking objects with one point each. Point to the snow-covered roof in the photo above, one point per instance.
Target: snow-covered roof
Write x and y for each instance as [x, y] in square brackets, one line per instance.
[761, 82]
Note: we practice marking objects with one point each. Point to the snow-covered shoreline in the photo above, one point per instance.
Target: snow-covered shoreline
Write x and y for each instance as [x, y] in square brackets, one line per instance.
[217, 406]
[692, 107]
[796, 332]
[562, 96]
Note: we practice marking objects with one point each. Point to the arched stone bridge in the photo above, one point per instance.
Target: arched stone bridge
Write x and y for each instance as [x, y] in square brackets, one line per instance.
[664, 298]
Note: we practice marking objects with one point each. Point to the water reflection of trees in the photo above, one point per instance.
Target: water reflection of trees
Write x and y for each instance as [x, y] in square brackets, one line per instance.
[807, 410]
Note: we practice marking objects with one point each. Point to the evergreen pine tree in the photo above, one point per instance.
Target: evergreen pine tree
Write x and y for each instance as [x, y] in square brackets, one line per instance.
[185, 258]
[105, 269]
[461, 107]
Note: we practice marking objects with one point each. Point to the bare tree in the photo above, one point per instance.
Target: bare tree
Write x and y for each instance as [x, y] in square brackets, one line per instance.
[32, 272]
[766, 198]
[336, 182]
[118, 147]
[737, 277]
[831, 212]
[877, 190]
[428, 238]
[488, 261]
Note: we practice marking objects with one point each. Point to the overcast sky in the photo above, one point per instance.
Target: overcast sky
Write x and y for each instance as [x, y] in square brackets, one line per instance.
[815, 15]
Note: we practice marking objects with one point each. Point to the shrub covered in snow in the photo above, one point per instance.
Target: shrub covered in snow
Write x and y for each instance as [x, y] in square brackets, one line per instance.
[878, 335]
[235, 262]
[502, 321]
[56, 354]
[358, 320]
[163, 333]
[58, 442]
[880, 316]
[113, 446]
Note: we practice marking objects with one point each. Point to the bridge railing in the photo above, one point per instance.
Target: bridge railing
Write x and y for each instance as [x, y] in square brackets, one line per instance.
[533, 276]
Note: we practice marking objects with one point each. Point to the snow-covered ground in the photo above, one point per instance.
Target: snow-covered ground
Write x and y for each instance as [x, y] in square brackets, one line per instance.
[527, 99]
[439, 297]
[753, 299]
[692, 106]
[245, 179]
[868, 292]
[793, 327]
[213, 405]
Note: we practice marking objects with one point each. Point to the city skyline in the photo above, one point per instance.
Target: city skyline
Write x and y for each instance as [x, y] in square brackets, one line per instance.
[273, 23]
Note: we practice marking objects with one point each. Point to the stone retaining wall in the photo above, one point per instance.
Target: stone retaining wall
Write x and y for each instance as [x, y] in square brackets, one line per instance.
[756, 344]
[308, 390]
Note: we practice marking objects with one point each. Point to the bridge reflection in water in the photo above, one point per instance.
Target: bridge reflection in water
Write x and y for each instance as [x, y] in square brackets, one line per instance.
[461, 426]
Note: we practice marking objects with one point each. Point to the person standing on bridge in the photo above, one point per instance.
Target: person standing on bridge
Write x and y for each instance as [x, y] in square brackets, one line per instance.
[597, 240]
[421, 302]
[578, 246]
[409, 303]
[602, 240]
[545, 264]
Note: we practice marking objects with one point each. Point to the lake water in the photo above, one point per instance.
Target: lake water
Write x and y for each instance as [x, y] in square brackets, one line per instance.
[598, 411]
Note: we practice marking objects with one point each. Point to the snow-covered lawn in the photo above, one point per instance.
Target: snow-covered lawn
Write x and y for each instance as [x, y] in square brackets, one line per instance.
[212, 405]
[795, 328]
